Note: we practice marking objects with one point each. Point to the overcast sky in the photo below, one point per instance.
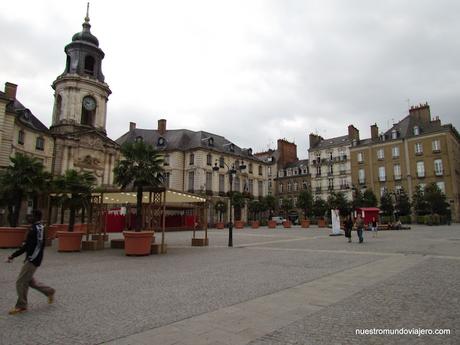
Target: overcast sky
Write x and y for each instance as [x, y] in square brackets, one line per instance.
[252, 71]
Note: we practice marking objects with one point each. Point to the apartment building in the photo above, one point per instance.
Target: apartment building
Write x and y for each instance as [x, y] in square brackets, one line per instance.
[415, 151]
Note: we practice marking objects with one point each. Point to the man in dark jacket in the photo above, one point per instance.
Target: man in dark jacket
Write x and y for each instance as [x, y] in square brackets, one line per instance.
[33, 247]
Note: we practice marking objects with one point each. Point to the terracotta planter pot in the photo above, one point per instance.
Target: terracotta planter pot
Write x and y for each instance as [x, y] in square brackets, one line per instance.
[255, 224]
[287, 224]
[12, 237]
[271, 224]
[220, 225]
[69, 241]
[80, 227]
[239, 224]
[321, 223]
[138, 243]
[52, 230]
[305, 223]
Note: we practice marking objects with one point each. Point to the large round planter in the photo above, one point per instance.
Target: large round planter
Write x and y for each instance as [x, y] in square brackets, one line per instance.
[271, 224]
[255, 224]
[12, 237]
[305, 223]
[220, 225]
[239, 224]
[138, 243]
[80, 227]
[69, 241]
[321, 223]
[287, 224]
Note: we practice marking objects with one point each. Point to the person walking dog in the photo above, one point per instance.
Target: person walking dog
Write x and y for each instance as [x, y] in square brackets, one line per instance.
[33, 247]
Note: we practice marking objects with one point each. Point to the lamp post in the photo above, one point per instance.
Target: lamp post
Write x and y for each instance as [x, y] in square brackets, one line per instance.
[231, 171]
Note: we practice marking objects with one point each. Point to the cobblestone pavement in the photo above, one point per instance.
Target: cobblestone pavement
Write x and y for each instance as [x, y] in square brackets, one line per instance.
[104, 296]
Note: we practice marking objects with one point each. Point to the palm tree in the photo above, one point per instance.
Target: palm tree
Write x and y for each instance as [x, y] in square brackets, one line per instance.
[75, 190]
[24, 178]
[305, 202]
[141, 167]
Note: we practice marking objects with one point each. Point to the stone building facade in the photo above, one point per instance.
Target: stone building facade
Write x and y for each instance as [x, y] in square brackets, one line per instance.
[415, 151]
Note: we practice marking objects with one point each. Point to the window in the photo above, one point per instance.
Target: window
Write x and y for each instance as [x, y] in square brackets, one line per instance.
[21, 137]
[361, 176]
[208, 181]
[436, 145]
[296, 186]
[40, 144]
[166, 160]
[289, 172]
[269, 171]
[139, 139]
[318, 170]
[231, 148]
[397, 171]
[330, 170]
[382, 175]
[382, 191]
[166, 181]
[221, 162]
[343, 168]
[420, 169]
[191, 181]
[418, 148]
[360, 157]
[280, 173]
[380, 154]
[394, 134]
[260, 170]
[161, 142]
[208, 159]
[260, 188]
[89, 65]
[442, 186]
[395, 151]
[250, 168]
[192, 159]
[251, 186]
[296, 171]
[331, 184]
[280, 188]
[237, 184]
[438, 170]
[221, 183]
[416, 130]
[211, 142]
[289, 189]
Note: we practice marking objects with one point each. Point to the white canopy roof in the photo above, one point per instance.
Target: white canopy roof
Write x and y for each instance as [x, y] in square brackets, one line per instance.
[172, 197]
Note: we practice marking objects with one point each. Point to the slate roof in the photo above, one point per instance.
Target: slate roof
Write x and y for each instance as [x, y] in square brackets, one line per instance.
[297, 164]
[187, 140]
[24, 115]
[332, 142]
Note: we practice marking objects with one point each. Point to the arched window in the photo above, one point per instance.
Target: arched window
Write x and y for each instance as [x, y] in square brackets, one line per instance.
[89, 65]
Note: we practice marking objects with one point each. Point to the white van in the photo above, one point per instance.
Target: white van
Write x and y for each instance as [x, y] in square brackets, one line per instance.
[278, 219]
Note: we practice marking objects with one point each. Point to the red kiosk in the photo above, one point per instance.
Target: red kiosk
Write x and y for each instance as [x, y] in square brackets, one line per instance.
[367, 213]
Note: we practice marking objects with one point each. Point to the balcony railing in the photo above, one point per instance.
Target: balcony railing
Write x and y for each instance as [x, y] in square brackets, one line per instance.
[420, 174]
[382, 178]
[397, 177]
[344, 186]
[439, 172]
[362, 181]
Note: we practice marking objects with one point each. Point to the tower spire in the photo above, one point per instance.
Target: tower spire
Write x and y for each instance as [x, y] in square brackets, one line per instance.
[87, 13]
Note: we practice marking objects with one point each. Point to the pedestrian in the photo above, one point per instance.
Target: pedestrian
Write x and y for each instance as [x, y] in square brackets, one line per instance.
[374, 227]
[348, 226]
[33, 247]
[359, 226]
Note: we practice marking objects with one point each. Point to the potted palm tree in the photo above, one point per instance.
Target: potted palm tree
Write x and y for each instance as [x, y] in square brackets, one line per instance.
[25, 177]
[270, 202]
[287, 206]
[305, 202]
[140, 167]
[238, 202]
[76, 188]
[221, 208]
[254, 207]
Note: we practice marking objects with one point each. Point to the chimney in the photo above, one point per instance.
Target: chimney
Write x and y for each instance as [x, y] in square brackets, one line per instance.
[436, 121]
[10, 90]
[353, 133]
[421, 113]
[162, 126]
[374, 132]
[287, 152]
[132, 126]
[314, 140]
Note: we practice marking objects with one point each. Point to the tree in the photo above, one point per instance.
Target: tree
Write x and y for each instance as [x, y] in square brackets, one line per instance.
[369, 198]
[435, 199]
[402, 206]
[238, 202]
[140, 167]
[287, 205]
[270, 201]
[76, 188]
[358, 199]
[221, 208]
[418, 202]
[305, 202]
[255, 208]
[338, 201]
[319, 207]
[386, 204]
[25, 177]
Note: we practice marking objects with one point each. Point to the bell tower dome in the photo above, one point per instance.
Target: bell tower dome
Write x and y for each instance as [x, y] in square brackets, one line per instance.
[81, 94]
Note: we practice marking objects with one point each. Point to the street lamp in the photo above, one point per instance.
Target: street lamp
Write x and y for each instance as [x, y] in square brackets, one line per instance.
[231, 171]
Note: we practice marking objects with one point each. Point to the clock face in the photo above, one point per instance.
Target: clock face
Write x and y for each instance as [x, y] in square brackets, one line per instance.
[89, 103]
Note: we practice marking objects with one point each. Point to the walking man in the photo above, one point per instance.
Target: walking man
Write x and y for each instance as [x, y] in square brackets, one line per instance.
[33, 247]
[359, 226]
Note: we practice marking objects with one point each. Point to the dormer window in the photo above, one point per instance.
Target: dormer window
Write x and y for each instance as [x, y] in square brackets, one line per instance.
[161, 141]
[416, 130]
[211, 142]
[139, 139]
[394, 134]
[231, 148]
[249, 152]
[21, 137]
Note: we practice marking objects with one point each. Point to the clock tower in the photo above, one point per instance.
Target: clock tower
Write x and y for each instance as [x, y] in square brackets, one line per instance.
[80, 110]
